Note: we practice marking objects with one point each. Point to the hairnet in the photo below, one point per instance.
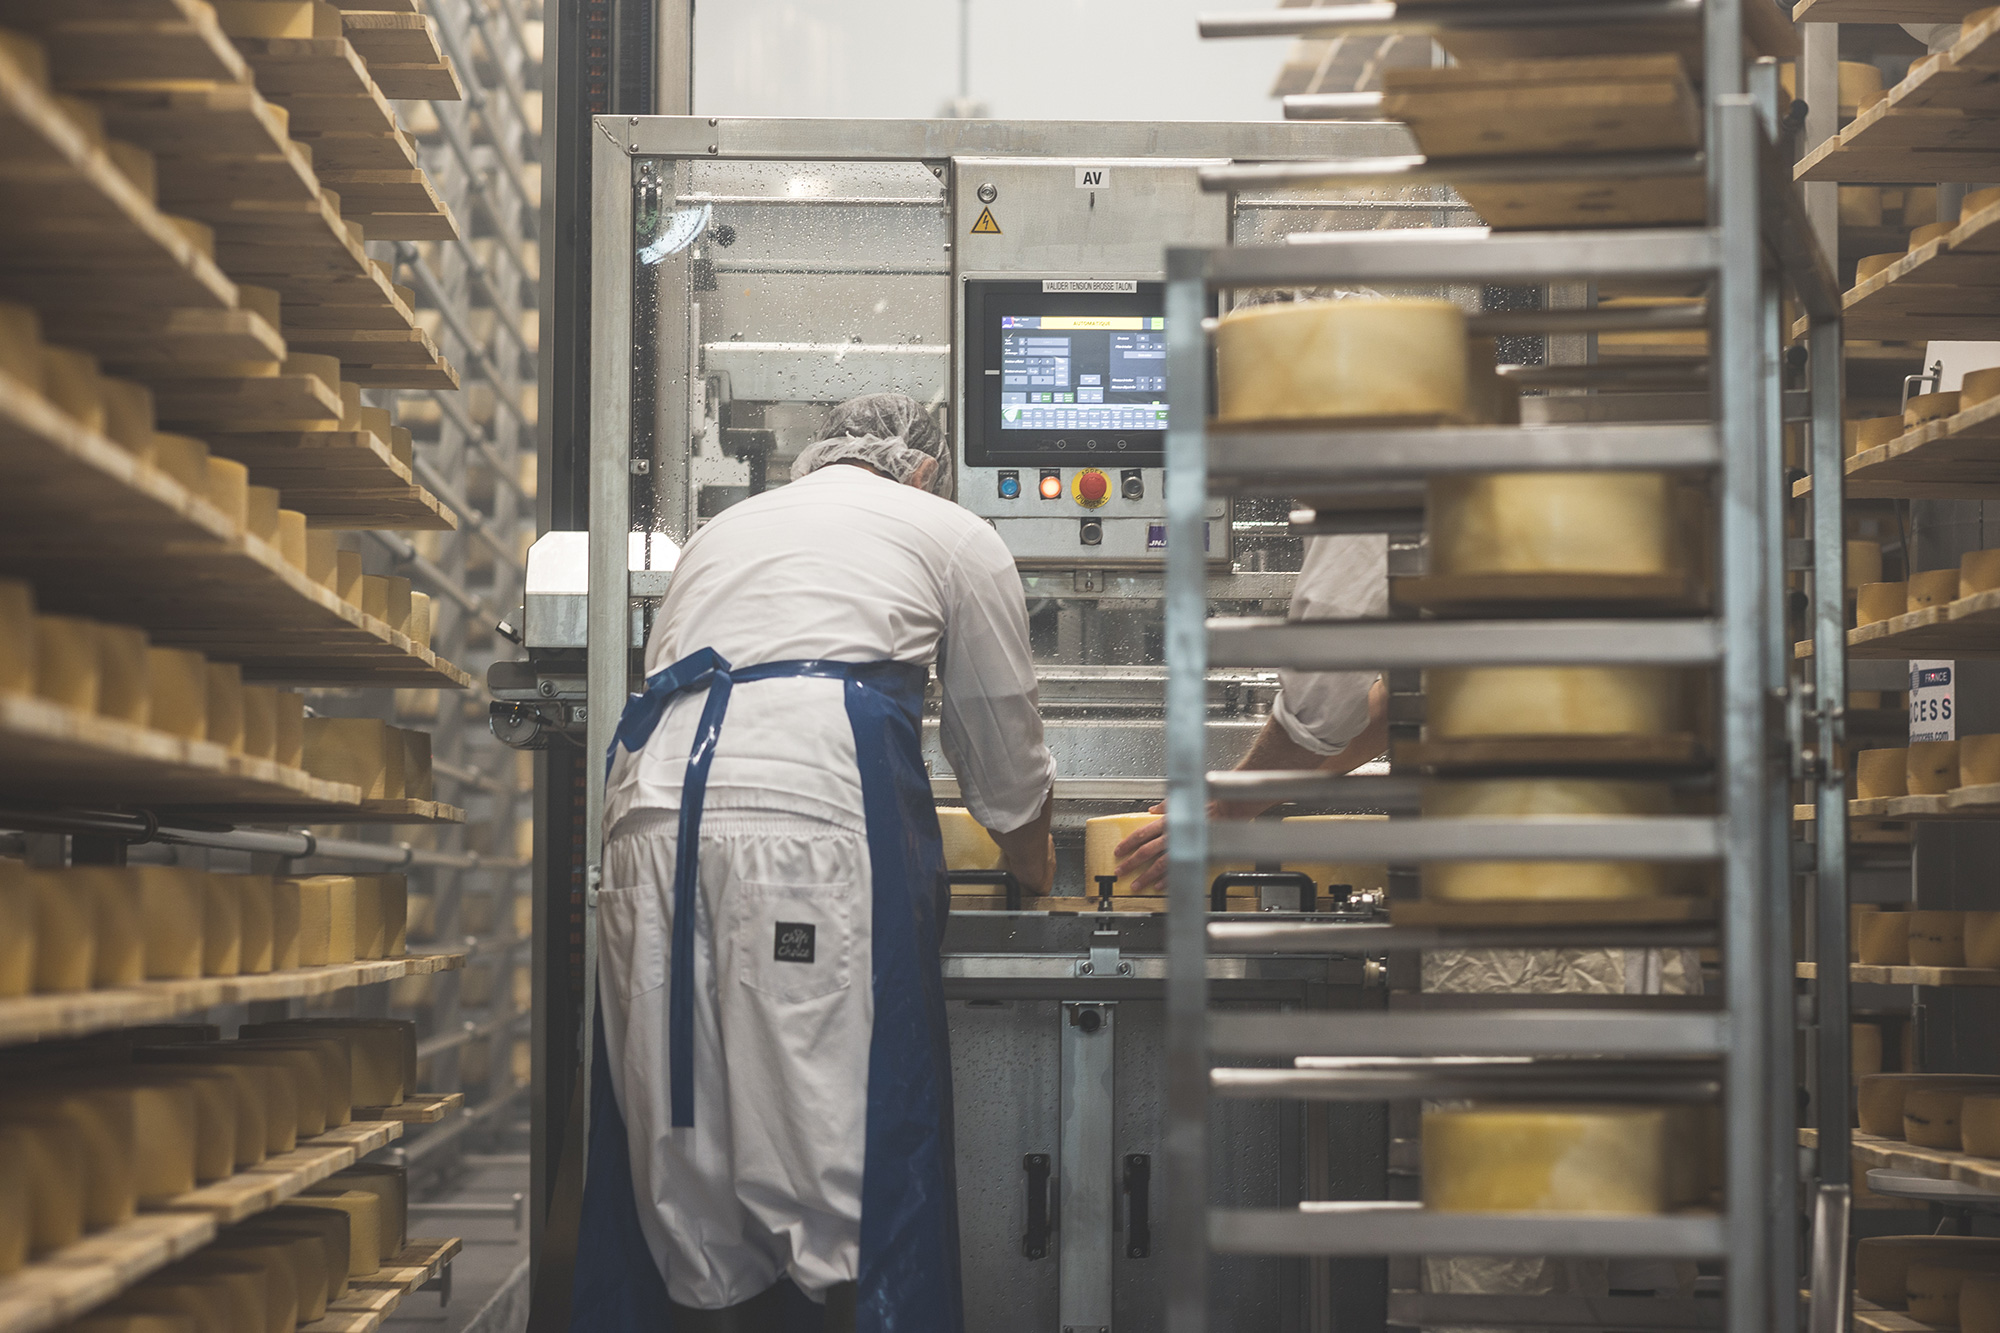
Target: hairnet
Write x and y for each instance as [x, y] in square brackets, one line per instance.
[890, 432]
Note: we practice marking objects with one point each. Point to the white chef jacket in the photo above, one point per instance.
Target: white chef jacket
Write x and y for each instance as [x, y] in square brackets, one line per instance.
[845, 565]
[1342, 578]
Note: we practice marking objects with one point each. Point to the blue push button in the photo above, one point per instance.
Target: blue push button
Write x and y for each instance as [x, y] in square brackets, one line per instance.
[1010, 485]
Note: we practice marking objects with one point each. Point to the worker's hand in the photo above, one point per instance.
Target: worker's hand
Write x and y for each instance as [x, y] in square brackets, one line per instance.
[1037, 881]
[1142, 857]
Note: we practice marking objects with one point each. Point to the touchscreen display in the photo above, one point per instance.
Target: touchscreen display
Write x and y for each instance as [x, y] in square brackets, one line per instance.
[1083, 372]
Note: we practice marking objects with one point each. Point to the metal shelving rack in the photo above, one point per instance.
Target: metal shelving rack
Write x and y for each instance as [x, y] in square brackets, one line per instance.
[1754, 247]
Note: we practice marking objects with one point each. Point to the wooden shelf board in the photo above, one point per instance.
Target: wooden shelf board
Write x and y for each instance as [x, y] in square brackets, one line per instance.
[1938, 124]
[52, 752]
[1969, 627]
[74, 229]
[141, 343]
[1474, 594]
[1877, 1320]
[1582, 912]
[361, 151]
[1883, 11]
[1517, 753]
[279, 1178]
[422, 1108]
[101, 533]
[386, 37]
[338, 479]
[420, 1261]
[99, 44]
[1879, 974]
[246, 402]
[41, 1017]
[77, 1277]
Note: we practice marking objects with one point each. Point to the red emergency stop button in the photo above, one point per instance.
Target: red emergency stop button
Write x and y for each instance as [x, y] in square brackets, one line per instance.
[1092, 488]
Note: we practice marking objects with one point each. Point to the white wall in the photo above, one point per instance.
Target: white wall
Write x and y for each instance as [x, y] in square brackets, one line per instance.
[1031, 59]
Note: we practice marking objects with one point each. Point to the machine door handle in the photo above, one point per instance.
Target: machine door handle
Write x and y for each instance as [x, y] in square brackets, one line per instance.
[1218, 891]
[1138, 1206]
[1035, 1245]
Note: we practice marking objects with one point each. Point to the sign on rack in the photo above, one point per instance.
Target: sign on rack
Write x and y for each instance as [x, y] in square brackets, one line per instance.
[1931, 714]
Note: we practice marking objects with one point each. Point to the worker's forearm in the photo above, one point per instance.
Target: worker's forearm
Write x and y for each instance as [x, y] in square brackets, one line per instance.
[1275, 750]
[1029, 852]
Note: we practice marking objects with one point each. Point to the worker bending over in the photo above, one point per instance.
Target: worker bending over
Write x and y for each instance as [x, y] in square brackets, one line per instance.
[778, 1100]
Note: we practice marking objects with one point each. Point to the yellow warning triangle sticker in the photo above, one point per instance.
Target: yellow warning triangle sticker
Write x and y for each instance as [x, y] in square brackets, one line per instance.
[986, 226]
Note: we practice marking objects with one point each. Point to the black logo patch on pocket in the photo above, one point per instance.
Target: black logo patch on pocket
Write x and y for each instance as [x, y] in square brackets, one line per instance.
[795, 942]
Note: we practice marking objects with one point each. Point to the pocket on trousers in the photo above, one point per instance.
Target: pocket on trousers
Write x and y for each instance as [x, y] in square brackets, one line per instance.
[793, 942]
[632, 939]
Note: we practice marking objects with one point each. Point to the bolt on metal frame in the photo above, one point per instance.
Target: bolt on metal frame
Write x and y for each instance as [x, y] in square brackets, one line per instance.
[1748, 247]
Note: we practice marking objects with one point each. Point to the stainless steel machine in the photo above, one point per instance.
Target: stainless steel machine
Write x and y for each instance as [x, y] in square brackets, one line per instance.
[1010, 275]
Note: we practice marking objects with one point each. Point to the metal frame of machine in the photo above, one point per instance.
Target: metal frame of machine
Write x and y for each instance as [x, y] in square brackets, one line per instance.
[1750, 1041]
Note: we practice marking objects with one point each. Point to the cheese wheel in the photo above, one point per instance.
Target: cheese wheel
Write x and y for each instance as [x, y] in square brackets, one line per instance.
[264, 18]
[173, 911]
[1860, 206]
[1931, 1115]
[21, 340]
[286, 936]
[162, 1115]
[375, 597]
[1932, 1285]
[322, 556]
[217, 1303]
[390, 1184]
[1101, 837]
[221, 927]
[1937, 939]
[364, 1216]
[1864, 1049]
[1333, 880]
[1884, 939]
[1930, 231]
[303, 1256]
[326, 920]
[65, 935]
[17, 929]
[260, 721]
[1352, 360]
[288, 747]
[1871, 265]
[1880, 1097]
[99, 1127]
[1554, 701]
[1864, 563]
[371, 924]
[347, 576]
[1930, 407]
[215, 1121]
[1545, 880]
[49, 1150]
[71, 384]
[1858, 83]
[360, 751]
[229, 489]
[292, 538]
[1982, 939]
[225, 705]
[180, 457]
[261, 516]
[128, 413]
[1931, 768]
[394, 892]
[18, 667]
[1978, 386]
[418, 782]
[1880, 601]
[1571, 1159]
[1553, 522]
[1882, 773]
[124, 686]
[328, 1227]
[261, 1296]
[967, 846]
[1878, 431]
[119, 952]
[298, 1067]
[419, 628]
[1979, 1303]
[67, 662]
[396, 603]
[1933, 587]
[1978, 571]
[255, 894]
[381, 1052]
[1979, 1123]
[1978, 201]
[177, 692]
[16, 1200]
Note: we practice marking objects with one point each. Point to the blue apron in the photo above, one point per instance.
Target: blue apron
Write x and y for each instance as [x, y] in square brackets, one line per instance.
[909, 1280]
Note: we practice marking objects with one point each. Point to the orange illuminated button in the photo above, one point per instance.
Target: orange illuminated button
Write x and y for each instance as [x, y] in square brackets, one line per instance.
[1093, 488]
[1051, 485]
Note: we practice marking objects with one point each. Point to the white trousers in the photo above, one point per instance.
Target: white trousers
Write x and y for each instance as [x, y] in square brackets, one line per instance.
[767, 1182]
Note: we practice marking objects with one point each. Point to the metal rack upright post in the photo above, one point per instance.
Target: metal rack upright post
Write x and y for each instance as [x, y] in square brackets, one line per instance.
[1753, 243]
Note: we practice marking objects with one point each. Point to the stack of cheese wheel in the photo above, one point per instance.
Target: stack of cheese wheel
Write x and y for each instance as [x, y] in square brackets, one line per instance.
[1333, 881]
[1874, 432]
[381, 1052]
[343, 918]
[1979, 1124]
[1922, 1108]
[1882, 938]
[1978, 571]
[1352, 362]
[1581, 1158]
[1546, 880]
[1927, 407]
[1889, 1270]
[1930, 768]
[967, 844]
[1101, 837]
[1982, 939]
[1936, 938]
[1600, 702]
